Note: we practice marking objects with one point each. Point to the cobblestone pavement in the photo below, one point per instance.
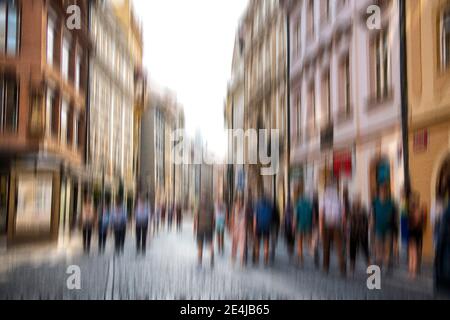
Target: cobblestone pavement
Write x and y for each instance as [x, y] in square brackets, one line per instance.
[170, 271]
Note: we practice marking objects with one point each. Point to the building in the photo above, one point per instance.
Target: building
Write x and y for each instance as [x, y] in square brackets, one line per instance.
[43, 69]
[133, 29]
[428, 58]
[345, 96]
[264, 36]
[234, 120]
[159, 176]
[111, 102]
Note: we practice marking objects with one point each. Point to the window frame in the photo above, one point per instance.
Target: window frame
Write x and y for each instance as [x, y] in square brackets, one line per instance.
[4, 80]
[4, 48]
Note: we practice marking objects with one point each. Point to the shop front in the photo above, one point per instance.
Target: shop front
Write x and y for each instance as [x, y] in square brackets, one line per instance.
[33, 206]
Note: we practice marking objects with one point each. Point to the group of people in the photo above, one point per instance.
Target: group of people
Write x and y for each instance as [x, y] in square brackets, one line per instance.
[347, 224]
[333, 221]
[250, 224]
[114, 219]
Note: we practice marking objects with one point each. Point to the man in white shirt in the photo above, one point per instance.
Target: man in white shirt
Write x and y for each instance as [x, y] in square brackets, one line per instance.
[332, 224]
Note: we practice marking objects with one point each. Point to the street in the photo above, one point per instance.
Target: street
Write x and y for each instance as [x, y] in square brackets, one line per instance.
[170, 271]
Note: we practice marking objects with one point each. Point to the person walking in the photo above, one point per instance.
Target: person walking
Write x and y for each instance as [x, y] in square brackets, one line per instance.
[220, 216]
[289, 229]
[262, 223]
[87, 222]
[249, 215]
[382, 217]
[142, 218]
[416, 226]
[179, 217]
[103, 226]
[358, 223]
[303, 222]
[238, 227]
[274, 230]
[204, 224]
[332, 225]
[119, 224]
[442, 252]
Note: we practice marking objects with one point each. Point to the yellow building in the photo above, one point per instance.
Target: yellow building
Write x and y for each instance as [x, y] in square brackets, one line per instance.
[428, 46]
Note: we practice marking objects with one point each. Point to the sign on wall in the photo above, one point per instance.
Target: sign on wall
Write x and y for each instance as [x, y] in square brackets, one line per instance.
[421, 140]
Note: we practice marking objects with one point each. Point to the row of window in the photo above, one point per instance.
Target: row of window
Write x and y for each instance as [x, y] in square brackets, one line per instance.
[67, 46]
[67, 127]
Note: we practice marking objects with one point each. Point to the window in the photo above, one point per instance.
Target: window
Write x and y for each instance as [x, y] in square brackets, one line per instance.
[345, 87]
[9, 27]
[49, 103]
[65, 59]
[63, 126]
[77, 71]
[311, 117]
[445, 38]
[382, 65]
[311, 14]
[50, 40]
[325, 117]
[75, 131]
[297, 38]
[299, 117]
[9, 104]
[325, 12]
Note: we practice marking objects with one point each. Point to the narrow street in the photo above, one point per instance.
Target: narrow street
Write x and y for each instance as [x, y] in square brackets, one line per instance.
[170, 271]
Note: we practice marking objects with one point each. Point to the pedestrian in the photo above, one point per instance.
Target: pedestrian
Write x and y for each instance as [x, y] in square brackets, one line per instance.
[289, 229]
[382, 217]
[274, 230]
[436, 215]
[170, 216]
[179, 216]
[249, 215]
[163, 214]
[416, 226]
[142, 218]
[358, 223]
[238, 229]
[204, 226]
[157, 216]
[119, 224]
[87, 221]
[262, 222]
[332, 225]
[316, 229]
[103, 226]
[303, 222]
[220, 216]
[442, 253]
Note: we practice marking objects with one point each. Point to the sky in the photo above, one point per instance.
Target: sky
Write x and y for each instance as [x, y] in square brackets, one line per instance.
[188, 48]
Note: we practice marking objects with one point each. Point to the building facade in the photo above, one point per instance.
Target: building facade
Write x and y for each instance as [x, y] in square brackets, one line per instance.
[345, 96]
[133, 29]
[428, 52]
[264, 36]
[159, 176]
[43, 68]
[234, 120]
[111, 101]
